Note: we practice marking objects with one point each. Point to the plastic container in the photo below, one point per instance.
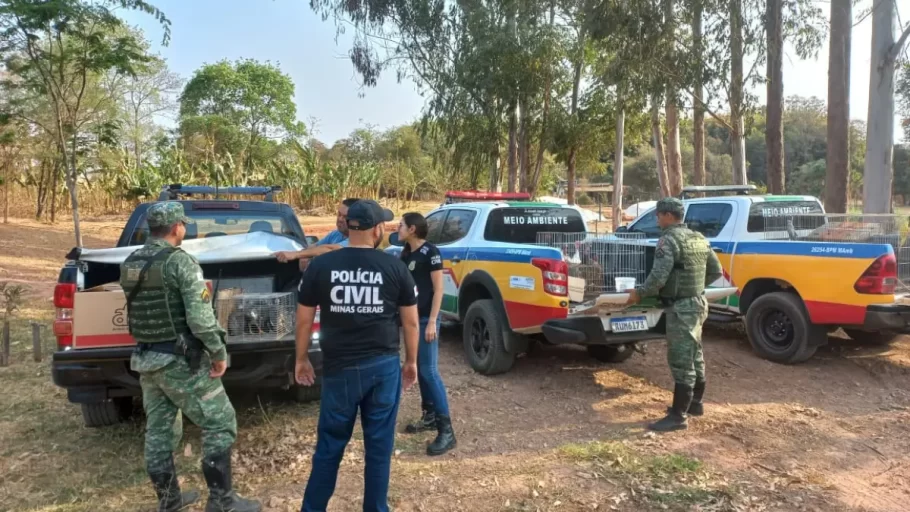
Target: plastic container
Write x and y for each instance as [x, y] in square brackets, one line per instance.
[624, 284]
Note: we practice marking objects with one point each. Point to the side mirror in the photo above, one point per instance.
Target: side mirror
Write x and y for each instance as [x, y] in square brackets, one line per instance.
[621, 229]
[393, 240]
[311, 239]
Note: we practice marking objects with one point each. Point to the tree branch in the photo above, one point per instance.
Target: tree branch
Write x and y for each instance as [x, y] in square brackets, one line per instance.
[898, 46]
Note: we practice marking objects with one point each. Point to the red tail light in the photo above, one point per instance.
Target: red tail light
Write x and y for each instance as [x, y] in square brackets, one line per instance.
[64, 295]
[880, 278]
[64, 299]
[555, 275]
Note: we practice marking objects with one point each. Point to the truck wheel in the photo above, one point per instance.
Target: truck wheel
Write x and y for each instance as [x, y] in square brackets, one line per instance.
[484, 343]
[871, 337]
[611, 353]
[779, 329]
[307, 394]
[106, 413]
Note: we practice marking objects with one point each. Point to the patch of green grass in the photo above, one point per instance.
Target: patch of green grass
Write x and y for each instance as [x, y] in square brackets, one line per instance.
[685, 497]
[596, 451]
[673, 464]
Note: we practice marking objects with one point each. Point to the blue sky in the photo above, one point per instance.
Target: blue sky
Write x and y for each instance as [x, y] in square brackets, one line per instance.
[289, 33]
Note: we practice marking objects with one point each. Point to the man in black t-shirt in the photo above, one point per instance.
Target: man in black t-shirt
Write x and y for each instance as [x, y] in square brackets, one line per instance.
[361, 294]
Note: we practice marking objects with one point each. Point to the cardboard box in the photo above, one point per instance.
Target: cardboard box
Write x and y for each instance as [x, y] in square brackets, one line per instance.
[576, 289]
[100, 319]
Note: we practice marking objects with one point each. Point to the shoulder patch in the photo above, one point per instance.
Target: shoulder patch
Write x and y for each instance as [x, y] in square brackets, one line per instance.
[206, 295]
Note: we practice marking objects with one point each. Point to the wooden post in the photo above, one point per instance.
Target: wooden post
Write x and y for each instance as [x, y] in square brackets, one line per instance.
[36, 342]
[4, 348]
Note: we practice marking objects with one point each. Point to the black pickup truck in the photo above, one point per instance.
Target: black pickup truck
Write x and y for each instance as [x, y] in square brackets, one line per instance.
[95, 370]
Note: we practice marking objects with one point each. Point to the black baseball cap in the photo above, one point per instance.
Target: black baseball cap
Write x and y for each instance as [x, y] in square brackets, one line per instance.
[368, 214]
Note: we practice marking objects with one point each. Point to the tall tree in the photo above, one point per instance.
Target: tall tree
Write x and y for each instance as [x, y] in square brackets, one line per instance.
[674, 157]
[737, 99]
[59, 47]
[774, 129]
[698, 95]
[254, 99]
[658, 138]
[878, 174]
[837, 173]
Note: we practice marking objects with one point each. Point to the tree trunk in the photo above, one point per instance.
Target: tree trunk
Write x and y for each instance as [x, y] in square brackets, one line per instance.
[837, 173]
[674, 158]
[6, 184]
[662, 178]
[524, 153]
[698, 174]
[570, 175]
[878, 173]
[618, 168]
[495, 182]
[72, 183]
[774, 126]
[54, 187]
[513, 145]
[738, 142]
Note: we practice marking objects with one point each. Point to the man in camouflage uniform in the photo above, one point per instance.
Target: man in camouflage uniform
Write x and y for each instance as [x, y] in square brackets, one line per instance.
[684, 264]
[180, 357]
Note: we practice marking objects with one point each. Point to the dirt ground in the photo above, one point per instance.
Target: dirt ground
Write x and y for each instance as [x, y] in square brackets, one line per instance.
[560, 432]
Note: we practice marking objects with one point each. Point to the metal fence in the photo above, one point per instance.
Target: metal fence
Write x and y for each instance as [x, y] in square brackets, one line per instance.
[607, 263]
[847, 228]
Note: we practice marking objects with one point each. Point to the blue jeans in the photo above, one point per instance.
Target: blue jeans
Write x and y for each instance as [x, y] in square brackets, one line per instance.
[432, 390]
[373, 386]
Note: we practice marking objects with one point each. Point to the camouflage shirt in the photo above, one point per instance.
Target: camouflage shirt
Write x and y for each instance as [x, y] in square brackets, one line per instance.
[684, 264]
[184, 288]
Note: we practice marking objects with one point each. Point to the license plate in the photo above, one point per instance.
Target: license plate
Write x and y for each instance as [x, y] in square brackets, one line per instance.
[636, 323]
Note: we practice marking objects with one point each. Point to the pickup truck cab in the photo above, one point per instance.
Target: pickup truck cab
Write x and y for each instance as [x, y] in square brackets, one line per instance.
[506, 289]
[796, 285]
[94, 367]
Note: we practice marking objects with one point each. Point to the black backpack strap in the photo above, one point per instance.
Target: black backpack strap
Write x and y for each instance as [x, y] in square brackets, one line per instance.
[161, 255]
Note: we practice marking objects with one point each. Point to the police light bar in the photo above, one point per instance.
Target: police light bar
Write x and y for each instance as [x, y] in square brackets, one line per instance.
[701, 189]
[175, 190]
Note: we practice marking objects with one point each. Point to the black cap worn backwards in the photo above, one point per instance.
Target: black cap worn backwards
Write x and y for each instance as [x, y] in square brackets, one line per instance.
[367, 214]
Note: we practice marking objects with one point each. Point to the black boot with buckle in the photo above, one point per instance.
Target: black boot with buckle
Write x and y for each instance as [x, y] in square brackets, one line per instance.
[222, 497]
[426, 423]
[445, 439]
[697, 408]
[170, 499]
[676, 415]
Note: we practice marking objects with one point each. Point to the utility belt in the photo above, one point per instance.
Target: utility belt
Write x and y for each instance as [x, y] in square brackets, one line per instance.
[186, 345]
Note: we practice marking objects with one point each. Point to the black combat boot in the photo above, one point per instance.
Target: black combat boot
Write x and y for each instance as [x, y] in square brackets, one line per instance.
[426, 423]
[170, 499]
[445, 439]
[697, 408]
[222, 498]
[676, 415]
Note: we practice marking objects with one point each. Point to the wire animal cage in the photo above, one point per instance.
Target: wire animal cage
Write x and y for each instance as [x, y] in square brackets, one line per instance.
[847, 228]
[604, 262]
[257, 316]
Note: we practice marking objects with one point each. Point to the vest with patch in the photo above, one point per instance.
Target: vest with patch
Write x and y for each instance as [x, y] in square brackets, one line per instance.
[155, 315]
[688, 276]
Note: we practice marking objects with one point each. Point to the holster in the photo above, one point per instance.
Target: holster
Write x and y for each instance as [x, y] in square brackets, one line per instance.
[192, 349]
[186, 345]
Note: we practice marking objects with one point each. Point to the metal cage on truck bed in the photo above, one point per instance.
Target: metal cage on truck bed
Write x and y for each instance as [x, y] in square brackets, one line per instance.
[884, 229]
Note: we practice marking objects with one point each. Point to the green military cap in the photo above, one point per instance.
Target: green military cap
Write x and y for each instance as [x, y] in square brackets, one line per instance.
[167, 214]
[670, 205]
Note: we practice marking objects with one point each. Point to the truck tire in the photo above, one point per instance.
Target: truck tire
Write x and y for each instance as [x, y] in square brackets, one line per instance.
[484, 339]
[307, 394]
[106, 413]
[611, 353]
[779, 329]
[880, 338]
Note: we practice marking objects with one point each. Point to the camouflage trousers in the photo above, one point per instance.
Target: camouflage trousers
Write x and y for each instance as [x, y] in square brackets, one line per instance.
[684, 350]
[175, 388]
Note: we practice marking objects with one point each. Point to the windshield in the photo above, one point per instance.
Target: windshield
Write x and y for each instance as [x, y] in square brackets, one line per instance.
[220, 223]
[521, 225]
